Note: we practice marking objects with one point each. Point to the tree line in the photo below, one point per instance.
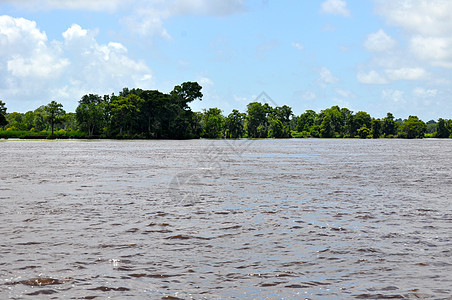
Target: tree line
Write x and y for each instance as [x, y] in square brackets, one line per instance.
[151, 114]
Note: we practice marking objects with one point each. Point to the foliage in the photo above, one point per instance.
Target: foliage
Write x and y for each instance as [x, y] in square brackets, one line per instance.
[234, 124]
[412, 128]
[212, 123]
[137, 113]
[3, 120]
[55, 114]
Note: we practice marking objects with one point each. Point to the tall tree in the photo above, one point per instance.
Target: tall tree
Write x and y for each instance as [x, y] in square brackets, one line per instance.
[389, 126]
[213, 123]
[90, 113]
[442, 130]
[256, 121]
[125, 112]
[412, 128]
[187, 92]
[3, 120]
[376, 128]
[234, 124]
[55, 112]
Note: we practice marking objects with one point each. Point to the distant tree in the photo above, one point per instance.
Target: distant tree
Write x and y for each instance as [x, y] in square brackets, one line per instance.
[29, 120]
[362, 119]
[326, 130]
[412, 128]
[213, 123]
[256, 119]
[364, 132]
[306, 120]
[90, 114]
[376, 126]
[15, 121]
[187, 92]
[234, 124]
[3, 120]
[389, 126]
[442, 130]
[276, 129]
[40, 119]
[55, 112]
[124, 112]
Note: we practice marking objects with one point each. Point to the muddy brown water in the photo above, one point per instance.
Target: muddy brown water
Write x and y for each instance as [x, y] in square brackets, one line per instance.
[201, 219]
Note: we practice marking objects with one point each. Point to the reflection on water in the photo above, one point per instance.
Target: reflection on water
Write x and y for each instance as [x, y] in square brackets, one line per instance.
[315, 219]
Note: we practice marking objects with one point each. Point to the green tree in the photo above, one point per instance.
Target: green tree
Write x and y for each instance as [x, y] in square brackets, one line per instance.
[389, 126]
[3, 121]
[276, 129]
[306, 120]
[187, 92]
[55, 112]
[15, 121]
[29, 120]
[256, 119]
[363, 132]
[412, 128]
[442, 129]
[40, 119]
[213, 123]
[326, 130]
[362, 119]
[91, 114]
[234, 124]
[376, 125]
[124, 113]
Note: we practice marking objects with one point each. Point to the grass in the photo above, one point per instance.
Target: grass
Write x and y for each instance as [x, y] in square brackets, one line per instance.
[60, 134]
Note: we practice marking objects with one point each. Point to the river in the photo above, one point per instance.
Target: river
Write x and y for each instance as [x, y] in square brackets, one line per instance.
[218, 219]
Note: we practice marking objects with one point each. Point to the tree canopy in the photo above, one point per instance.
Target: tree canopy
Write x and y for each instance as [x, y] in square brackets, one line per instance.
[137, 113]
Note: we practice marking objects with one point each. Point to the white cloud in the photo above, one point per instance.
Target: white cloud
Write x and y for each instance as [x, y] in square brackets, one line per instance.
[149, 17]
[335, 7]
[425, 93]
[92, 5]
[435, 50]
[35, 69]
[297, 46]
[396, 96]
[371, 78]
[426, 17]
[327, 77]
[345, 93]
[427, 25]
[26, 54]
[148, 22]
[206, 7]
[406, 74]
[379, 41]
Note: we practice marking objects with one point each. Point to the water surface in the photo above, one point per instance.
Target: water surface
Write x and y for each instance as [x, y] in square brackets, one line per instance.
[267, 219]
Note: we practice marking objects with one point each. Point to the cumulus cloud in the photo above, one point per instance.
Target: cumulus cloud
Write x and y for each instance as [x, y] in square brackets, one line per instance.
[427, 25]
[379, 41]
[372, 77]
[93, 5]
[27, 59]
[327, 77]
[406, 74]
[420, 92]
[206, 7]
[297, 46]
[32, 68]
[396, 96]
[149, 17]
[335, 7]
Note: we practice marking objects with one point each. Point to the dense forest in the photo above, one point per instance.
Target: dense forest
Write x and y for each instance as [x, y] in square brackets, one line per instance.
[150, 114]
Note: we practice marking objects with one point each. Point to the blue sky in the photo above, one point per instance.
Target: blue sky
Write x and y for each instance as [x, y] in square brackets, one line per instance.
[370, 55]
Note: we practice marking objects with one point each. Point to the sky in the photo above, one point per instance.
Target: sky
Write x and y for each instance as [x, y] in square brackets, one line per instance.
[376, 56]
